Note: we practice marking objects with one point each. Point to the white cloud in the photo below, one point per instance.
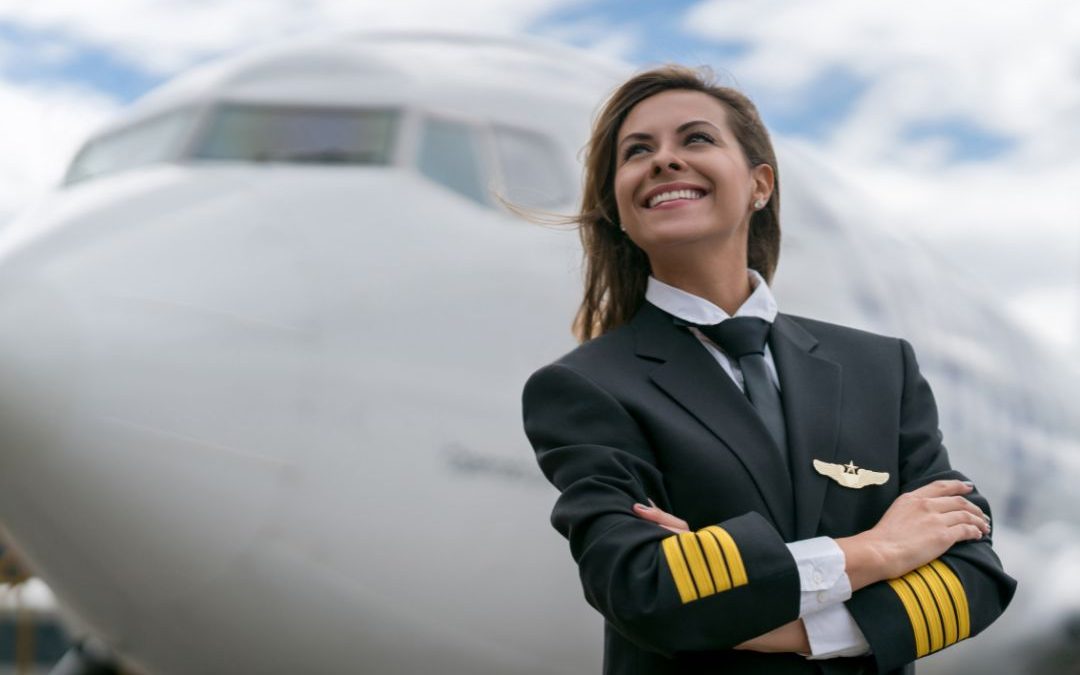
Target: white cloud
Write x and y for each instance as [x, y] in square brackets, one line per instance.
[1009, 68]
[1031, 309]
[164, 36]
[597, 36]
[44, 126]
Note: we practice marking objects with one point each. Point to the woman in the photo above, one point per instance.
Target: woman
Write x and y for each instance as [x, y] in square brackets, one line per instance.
[743, 491]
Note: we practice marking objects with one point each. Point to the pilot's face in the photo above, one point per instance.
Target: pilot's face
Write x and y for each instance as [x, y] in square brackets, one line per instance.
[681, 176]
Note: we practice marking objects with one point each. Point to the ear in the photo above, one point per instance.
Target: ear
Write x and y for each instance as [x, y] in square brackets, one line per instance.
[764, 179]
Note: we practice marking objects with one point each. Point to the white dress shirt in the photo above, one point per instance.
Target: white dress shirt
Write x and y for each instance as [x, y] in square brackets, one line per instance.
[823, 584]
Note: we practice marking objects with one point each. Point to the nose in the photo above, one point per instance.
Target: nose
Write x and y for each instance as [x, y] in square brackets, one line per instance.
[665, 160]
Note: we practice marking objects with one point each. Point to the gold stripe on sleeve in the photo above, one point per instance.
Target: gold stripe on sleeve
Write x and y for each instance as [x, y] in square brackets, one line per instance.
[915, 616]
[959, 597]
[944, 601]
[930, 609]
[731, 553]
[677, 565]
[721, 578]
[702, 578]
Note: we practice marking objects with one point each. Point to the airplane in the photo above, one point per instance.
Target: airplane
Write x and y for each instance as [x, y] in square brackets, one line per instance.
[262, 352]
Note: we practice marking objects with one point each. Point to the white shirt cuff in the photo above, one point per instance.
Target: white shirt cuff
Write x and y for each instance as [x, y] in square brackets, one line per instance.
[833, 633]
[823, 583]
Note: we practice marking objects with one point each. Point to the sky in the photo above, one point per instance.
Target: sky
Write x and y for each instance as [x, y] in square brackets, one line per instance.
[956, 118]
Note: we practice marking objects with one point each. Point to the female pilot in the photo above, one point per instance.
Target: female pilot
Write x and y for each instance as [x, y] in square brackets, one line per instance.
[744, 491]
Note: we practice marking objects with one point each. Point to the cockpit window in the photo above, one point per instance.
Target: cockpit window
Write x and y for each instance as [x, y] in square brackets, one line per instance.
[260, 133]
[530, 168]
[448, 156]
[155, 139]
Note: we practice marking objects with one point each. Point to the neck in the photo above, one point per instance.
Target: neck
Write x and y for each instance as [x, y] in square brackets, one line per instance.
[719, 275]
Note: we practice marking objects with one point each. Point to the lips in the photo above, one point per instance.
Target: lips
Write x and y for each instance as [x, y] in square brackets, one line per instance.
[671, 192]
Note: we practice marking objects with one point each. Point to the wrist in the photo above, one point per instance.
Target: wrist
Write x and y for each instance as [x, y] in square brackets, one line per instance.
[802, 638]
[864, 560]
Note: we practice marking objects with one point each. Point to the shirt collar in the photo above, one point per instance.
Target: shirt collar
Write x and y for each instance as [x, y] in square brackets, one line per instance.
[696, 310]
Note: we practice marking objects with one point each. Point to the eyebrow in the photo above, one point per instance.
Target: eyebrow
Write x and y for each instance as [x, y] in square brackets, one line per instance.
[641, 136]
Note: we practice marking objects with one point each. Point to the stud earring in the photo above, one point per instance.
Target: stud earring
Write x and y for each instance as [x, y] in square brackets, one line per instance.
[758, 203]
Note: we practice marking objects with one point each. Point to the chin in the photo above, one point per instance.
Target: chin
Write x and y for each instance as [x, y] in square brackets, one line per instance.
[679, 234]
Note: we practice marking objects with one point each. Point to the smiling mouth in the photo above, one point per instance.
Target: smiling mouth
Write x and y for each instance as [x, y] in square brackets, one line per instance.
[672, 195]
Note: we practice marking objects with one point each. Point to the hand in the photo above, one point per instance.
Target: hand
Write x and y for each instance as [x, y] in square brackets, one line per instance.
[653, 514]
[918, 527]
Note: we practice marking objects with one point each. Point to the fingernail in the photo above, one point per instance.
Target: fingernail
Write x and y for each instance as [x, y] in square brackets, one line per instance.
[652, 503]
[641, 507]
[986, 517]
[968, 483]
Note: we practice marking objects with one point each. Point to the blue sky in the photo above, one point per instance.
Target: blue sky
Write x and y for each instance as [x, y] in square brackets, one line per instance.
[88, 64]
[957, 118]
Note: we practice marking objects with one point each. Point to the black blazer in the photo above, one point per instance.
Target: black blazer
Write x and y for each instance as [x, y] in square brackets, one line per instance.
[645, 412]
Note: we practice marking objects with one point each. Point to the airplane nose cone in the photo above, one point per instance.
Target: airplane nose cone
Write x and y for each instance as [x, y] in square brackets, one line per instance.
[39, 360]
[42, 370]
[129, 480]
[39, 372]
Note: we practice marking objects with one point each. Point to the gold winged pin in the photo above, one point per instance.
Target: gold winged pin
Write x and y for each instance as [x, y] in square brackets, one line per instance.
[850, 475]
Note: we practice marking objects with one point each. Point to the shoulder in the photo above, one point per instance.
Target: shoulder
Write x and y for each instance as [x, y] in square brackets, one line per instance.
[834, 331]
[596, 358]
[617, 361]
[845, 343]
[584, 378]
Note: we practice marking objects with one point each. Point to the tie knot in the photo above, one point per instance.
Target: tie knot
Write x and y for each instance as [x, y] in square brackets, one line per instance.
[740, 335]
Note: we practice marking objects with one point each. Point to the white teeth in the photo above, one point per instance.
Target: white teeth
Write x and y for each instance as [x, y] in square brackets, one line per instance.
[675, 194]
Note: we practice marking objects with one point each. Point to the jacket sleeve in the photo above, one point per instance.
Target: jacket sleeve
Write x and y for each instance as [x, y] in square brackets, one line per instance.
[951, 598]
[704, 590]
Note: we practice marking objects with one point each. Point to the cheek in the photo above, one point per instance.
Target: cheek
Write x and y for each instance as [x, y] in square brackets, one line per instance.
[624, 193]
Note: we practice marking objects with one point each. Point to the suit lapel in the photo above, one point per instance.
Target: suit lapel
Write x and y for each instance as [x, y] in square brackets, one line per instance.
[690, 375]
[810, 390]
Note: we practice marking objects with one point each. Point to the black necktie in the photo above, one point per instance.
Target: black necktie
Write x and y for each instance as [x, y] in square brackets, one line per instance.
[743, 338]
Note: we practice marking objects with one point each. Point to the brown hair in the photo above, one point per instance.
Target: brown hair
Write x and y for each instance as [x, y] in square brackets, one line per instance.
[616, 270]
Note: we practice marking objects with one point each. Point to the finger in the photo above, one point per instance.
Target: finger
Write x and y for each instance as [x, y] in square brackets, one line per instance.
[963, 516]
[965, 532]
[944, 488]
[660, 517]
[664, 520]
[949, 504]
[954, 518]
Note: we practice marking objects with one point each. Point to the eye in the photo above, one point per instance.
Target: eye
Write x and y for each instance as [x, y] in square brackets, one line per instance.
[634, 149]
[699, 137]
